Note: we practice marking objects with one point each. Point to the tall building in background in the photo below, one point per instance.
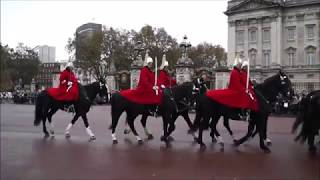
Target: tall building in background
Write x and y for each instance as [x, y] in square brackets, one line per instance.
[47, 54]
[276, 34]
[84, 33]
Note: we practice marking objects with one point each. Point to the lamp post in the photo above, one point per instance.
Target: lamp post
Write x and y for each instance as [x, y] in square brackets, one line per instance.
[184, 66]
[136, 65]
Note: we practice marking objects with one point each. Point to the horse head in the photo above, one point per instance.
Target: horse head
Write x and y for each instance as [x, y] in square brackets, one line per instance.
[285, 86]
[103, 88]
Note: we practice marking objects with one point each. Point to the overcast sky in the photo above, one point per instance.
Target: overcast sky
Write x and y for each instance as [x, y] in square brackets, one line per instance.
[53, 22]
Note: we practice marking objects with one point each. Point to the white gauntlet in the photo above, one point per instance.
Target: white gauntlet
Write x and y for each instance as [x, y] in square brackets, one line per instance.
[69, 83]
[162, 86]
[155, 88]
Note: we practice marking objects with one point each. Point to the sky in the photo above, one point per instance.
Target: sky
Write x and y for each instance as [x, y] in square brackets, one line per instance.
[52, 23]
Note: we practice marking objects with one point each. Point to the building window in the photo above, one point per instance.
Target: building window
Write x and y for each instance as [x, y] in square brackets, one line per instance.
[291, 58]
[253, 57]
[266, 35]
[252, 35]
[310, 31]
[266, 58]
[240, 37]
[310, 55]
[291, 33]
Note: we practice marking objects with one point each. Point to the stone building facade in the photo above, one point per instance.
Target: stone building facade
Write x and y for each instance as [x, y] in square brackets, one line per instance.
[276, 34]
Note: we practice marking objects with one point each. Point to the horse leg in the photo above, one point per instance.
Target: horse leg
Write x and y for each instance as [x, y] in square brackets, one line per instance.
[185, 115]
[215, 135]
[144, 125]
[44, 128]
[251, 126]
[227, 126]
[127, 129]
[115, 119]
[67, 131]
[88, 129]
[261, 129]
[203, 125]
[266, 139]
[312, 147]
[131, 125]
[50, 114]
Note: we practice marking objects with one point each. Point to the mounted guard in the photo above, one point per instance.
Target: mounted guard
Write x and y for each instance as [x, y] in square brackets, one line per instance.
[236, 95]
[145, 93]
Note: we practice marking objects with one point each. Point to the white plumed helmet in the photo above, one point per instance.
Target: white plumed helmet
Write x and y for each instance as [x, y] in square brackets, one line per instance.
[69, 64]
[148, 60]
[244, 64]
[164, 62]
[237, 61]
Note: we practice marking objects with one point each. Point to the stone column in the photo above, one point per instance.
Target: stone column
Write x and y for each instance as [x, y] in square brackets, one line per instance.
[300, 38]
[259, 44]
[276, 41]
[231, 42]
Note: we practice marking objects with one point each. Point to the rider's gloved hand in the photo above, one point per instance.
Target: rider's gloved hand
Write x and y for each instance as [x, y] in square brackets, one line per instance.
[155, 88]
[162, 86]
[69, 83]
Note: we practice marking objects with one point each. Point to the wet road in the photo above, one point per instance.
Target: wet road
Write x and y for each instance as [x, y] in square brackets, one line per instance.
[25, 154]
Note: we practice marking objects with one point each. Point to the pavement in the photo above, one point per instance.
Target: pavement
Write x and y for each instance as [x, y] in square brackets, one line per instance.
[26, 154]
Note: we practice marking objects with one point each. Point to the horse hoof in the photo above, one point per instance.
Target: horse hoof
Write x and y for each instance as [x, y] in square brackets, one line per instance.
[221, 144]
[140, 142]
[150, 136]
[52, 132]
[266, 150]
[126, 131]
[195, 139]
[46, 135]
[268, 143]
[115, 141]
[92, 138]
[312, 149]
[190, 131]
[214, 140]
[203, 146]
[67, 135]
[170, 139]
[236, 143]
[163, 138]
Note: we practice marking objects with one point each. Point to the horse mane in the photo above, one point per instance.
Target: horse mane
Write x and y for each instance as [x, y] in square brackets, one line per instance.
[267, 88]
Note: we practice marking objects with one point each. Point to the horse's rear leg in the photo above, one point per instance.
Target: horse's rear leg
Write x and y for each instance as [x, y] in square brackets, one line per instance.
[133, 129]
[185, 115]
[215, 135]
[51, 127]
[67, 131]
[88, 129]
[247, 136]
[227, 126]
[44, 128]
[115, 115]
[144, 125]
[127, 129]
[312, 147]
[203, 125]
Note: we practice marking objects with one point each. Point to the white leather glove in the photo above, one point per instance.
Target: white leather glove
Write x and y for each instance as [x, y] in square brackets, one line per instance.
[155, 88]
[69, 83]
[64, 81]
[162, 86]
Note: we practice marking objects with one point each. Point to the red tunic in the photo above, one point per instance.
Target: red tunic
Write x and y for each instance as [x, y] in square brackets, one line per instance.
[235, 95]
[143, 94]
[165, 79]
[62, 93]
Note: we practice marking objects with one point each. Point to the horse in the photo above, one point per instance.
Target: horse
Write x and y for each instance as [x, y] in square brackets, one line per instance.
[266, 93]
[166, 109]
[309, 117]
[182, 108]
[46, 107]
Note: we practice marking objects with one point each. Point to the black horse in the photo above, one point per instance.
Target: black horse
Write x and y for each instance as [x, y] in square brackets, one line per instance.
[309, 117]
[182, 109]
[266, 92]
[46, 106]
[184, 92]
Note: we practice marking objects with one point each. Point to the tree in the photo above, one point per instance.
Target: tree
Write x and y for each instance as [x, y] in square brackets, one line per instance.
[21, 63]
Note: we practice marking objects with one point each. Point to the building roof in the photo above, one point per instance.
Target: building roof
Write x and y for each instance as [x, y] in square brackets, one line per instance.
[237, 6]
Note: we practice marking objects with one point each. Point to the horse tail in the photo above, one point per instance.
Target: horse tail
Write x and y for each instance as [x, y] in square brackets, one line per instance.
[39, 108]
